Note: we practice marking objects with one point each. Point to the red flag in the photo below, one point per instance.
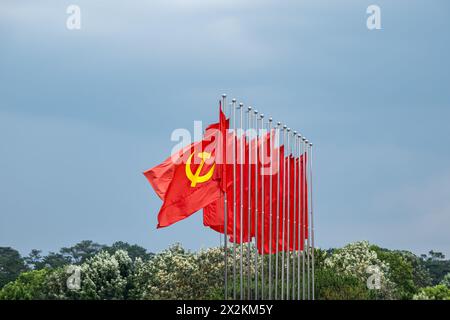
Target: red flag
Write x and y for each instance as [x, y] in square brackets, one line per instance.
[213, 214]
[187, 181]
[303, 202]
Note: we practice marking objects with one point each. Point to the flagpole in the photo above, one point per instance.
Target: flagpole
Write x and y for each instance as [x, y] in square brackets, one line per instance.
[249, 216]
[283, 245]
[307, 230]
[256, 206]
[234, 197]
[299, 202]
[278, 211]
[262, 157]
[225, 213]
[241, 211]
[312, 217]
[294, 243]
[303, 214]
[271, 146]
[288, 226]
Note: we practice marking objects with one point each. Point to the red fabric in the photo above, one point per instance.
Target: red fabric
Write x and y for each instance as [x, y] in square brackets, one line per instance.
[295, 220]
[171, 184]
[213, 215]
[303, 202]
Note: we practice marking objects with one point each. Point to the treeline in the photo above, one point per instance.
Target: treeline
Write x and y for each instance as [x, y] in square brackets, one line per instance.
[12, 264]
[125, 271]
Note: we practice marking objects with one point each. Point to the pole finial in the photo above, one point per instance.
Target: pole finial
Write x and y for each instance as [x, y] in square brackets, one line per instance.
[233, 100]
[295, 132]
[270, 119]
[262, 115]
[285, 126]
[224, 95]
[310, 144]
[256, 111]
[249, 108]
[241, 104]
[306, 141]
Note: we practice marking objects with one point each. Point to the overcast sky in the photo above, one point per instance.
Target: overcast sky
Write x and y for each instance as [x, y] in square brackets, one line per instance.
[84, 112]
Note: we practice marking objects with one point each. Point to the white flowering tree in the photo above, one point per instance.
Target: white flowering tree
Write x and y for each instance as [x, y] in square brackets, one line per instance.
[357, 259]
[104, 276]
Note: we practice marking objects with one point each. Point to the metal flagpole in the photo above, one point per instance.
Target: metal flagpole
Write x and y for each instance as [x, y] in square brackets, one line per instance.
[283, 247]
[294, 141]
[288, 226]
[299, 202]
[278, 211]
[271, 148]
[303, 227]
[308, 241]
[225, 235]
[312, 216]
[262, 157]
[234, 198]
[249, 216]
[241, 211]
[256, 206]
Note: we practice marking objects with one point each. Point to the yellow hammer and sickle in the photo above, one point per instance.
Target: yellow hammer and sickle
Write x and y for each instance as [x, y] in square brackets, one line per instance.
[197, 178]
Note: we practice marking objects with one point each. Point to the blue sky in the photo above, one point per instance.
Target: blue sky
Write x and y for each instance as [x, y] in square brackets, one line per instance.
[84, 112]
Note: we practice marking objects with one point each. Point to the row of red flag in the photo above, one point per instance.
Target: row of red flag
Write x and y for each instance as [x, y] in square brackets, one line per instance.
[201, 174]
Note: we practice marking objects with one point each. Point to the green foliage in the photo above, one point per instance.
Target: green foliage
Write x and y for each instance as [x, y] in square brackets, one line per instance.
[438, 269]
[400, 272]
[446, 280]
[51, 261]
[28, 286]
[82, 251]
[11, 265]
[333, 286]
[439, 292]
[134, 251]
[103, 276]
[124, 271]
[421, 275]
[359, 260]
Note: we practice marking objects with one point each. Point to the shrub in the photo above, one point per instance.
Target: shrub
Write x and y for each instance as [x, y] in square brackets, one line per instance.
[28, 286]
[439, 292]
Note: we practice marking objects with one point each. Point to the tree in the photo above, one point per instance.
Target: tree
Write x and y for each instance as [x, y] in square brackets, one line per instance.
[437, 268]
[439, 292]
[11, 265]
[359, 260]
[55, 260]
[333, 286]
[34, 259]
[446, 280]
[82, 251]
[436, 256]
[102, 277]
[400, 272]
[421, 275]
[28, 286]
[134, 251]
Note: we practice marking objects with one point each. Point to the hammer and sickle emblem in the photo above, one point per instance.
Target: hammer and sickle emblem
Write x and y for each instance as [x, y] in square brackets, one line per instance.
[197, 178]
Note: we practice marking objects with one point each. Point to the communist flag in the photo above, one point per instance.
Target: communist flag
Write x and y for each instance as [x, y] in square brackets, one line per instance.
[213, 214]
[188, 180]
[303, 201]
